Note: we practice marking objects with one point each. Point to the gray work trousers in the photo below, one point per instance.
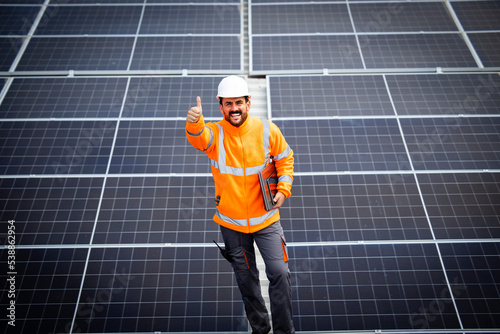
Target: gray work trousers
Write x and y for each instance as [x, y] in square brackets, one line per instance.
[272, 246]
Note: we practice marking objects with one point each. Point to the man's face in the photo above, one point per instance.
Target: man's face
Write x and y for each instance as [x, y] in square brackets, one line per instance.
[235, 110]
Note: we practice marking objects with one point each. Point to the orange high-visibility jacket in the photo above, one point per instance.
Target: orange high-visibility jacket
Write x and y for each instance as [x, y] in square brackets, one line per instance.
[236, 155]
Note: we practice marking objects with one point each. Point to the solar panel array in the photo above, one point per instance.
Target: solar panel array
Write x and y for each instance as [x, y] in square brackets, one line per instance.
[391, 108]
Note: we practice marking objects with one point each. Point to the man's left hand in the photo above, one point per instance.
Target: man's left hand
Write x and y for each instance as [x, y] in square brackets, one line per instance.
[279, 199]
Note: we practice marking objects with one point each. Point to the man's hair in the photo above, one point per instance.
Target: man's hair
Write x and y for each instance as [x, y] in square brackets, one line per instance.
[220, 99]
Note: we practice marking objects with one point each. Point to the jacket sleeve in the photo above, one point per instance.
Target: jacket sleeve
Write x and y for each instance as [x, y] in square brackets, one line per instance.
[283, 157]
[200, 135]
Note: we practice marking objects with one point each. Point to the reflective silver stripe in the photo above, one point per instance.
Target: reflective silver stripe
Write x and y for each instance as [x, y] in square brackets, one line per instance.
[222, 151]
[266, 135]
[243, 222]
[211, 138]
[195, 134]
[199, 134]
[239, 222]
[214, 163]
[283, 154]
[285, 178]
[262, 219]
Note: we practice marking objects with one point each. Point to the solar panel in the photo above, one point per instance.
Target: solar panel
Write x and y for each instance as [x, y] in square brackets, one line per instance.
[51, 211]
[345, 145]
[78, 53]
[288, 53]
[156, 147]
[191, 20]
[478, 15]
[14, 20]
[462, 206]
[457, 143]
[326, 96]
[414, 51]
[473, 269]
[55, 147]
[63, 97]
[356, 287]
[353, 208]
[157, 210]
[8, 51]
[486, 45]
[404, 17]
[393, 220]
[178, 53]
[92, 20]
[159, 289]
[171, 96]
[450, 95]
[47, 290]
[296, 18]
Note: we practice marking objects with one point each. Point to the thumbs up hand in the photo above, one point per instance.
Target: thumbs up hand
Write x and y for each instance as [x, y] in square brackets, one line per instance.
[195, 113]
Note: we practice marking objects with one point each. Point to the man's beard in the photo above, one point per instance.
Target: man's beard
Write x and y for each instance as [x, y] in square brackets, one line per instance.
[236, 123]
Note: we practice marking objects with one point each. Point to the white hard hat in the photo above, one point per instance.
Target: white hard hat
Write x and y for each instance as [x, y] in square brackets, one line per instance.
[232, 86]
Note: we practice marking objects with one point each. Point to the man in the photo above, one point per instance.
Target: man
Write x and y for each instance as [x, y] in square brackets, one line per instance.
[239, 146]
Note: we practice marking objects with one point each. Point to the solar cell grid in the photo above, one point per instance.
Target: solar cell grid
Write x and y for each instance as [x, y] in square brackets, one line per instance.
[401, 17]
[452, 95]
[171, 96]
[416, 51]
[157, 210]
[156, 147]
[79, 53]
[352, 208]
[160, 289]
[51, 211]
[478, 15]
[317, 96]
[178, 53]
[462, 206]
[63, 97]
[92, 20]
[14, 20]
[47, 290]
[191, 20]
[8, 51]
[55, 147]
[288, 53]
[288, 19]
[453, 143]
[375, 286]
[486, 46]
[473, 270]
[344, 145]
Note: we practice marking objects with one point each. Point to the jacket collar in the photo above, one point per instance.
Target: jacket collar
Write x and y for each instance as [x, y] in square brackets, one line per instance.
[243, 128]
